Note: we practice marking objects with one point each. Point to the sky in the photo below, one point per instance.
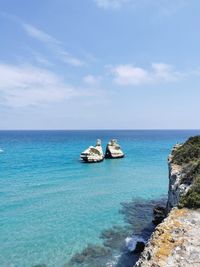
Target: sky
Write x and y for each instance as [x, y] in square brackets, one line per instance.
[99, 64]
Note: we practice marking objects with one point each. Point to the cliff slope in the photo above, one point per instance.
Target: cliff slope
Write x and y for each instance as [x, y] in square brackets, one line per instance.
[176, 241]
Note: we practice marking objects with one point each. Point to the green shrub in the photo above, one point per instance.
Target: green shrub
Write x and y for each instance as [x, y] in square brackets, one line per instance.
[192, 198]
[190, 171]
[188, 156]
[189, 151]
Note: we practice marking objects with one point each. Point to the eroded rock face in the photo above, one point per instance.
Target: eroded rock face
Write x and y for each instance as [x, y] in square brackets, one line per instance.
[174, 185]
[113, 150]
[177, 185]
[93, 154]
[175, 242]
[159, 214]
[139, 247]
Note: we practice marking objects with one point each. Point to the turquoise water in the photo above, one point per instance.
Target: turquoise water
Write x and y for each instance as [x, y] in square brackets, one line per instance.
[52, 205]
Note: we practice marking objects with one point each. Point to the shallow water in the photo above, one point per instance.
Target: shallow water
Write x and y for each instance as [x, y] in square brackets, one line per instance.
[52, 205]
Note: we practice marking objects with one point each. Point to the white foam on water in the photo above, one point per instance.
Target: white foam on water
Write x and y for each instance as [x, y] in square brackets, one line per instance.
[1, 150]
[131, 242]
[113, 262]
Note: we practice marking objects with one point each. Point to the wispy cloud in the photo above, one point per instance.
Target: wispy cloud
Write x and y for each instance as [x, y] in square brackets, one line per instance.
[25, 85]
[53, 44]
[111, 3]
[42, 60]
[37, 57]
[165, 7]
[39, 35]
[92, 80]
[133, 75]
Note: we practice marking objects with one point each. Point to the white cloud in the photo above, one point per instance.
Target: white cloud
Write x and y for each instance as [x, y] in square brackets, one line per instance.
[39, 58]
[67, 58]
[164, 72]
[111, 3]
[42, 60]
[39, 35]
[92, 80]
[132, 75]
[55, 45]
[165, 7]
[22, 85]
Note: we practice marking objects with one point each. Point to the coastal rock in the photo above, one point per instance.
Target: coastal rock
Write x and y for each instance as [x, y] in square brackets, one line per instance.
[175, 187]
[93, 154]
[159, 213]
[135, 244]
[180, 180]
[175, 241]
[139, 247]
[113, 150]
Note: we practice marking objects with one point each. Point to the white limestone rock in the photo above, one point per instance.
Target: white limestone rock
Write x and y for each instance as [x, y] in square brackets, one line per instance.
[113, 150]
[93, 154]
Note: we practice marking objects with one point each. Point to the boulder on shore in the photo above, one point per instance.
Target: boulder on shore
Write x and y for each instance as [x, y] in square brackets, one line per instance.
[159, 214]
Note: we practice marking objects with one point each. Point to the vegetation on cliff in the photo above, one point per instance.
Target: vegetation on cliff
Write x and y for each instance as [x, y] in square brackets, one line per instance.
[192, 198]
[189, 151]
[188, 156]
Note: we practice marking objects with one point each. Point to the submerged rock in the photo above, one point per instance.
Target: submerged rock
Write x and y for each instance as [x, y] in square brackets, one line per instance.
[40, 265]
[113, 251]
[114, 236]
[90, 256]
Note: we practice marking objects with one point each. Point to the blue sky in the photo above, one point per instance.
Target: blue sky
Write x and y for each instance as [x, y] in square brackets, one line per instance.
[99, 64]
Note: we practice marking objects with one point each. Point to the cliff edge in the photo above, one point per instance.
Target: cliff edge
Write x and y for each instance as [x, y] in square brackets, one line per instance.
[176, 241]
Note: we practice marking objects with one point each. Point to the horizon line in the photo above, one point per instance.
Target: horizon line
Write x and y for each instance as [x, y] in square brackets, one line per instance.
[115, 129]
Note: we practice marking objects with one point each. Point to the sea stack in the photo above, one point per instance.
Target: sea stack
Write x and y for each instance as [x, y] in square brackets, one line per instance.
[93, 154]
[113, 150]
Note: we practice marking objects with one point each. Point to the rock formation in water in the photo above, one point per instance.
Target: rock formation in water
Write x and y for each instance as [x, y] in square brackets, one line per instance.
[113, 150]
[176, 241]
[93, 154]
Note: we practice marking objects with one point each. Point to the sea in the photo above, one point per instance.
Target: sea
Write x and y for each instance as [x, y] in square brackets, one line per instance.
[56, 211]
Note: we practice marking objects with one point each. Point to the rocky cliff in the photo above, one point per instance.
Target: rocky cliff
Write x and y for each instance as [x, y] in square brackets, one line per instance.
[176, 241]
[177, 185]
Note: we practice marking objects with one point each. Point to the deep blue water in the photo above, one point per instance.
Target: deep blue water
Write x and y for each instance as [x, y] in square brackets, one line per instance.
[52, 205]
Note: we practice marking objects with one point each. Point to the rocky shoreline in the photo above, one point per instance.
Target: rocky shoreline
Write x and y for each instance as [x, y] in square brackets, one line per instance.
[175, 241]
